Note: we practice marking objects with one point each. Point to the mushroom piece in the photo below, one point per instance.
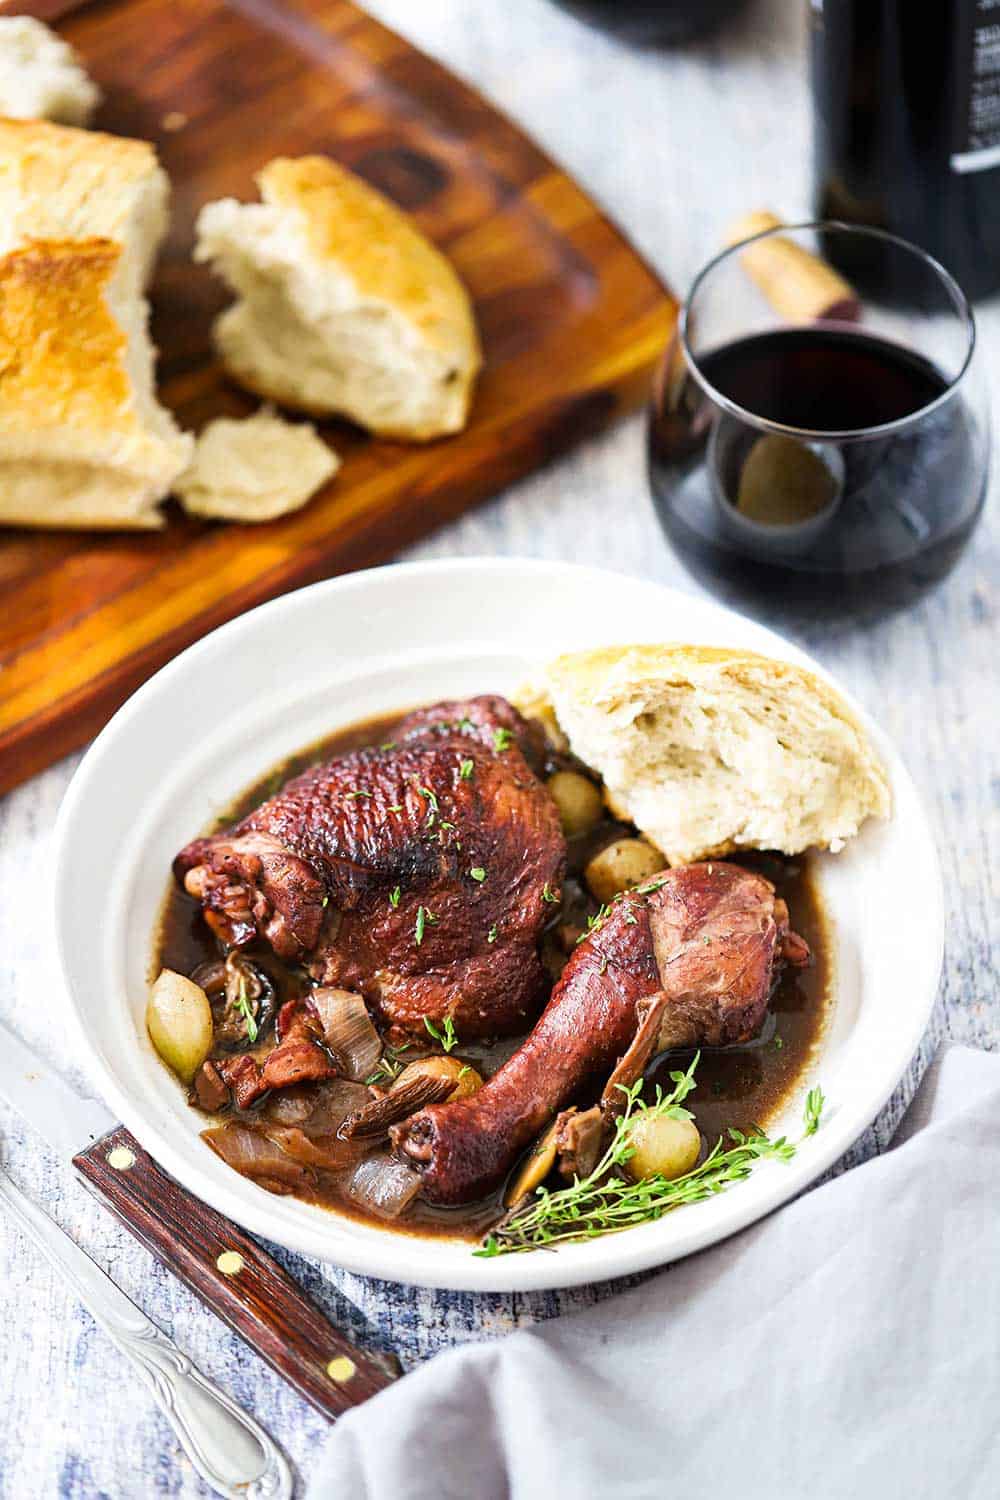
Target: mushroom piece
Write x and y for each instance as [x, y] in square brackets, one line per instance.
[579, 1141]
[249, 1007]
[374, 1119]
[535, 1167]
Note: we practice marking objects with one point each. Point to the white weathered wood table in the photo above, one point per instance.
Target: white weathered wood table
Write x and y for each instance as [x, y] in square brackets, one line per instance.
[675, 145]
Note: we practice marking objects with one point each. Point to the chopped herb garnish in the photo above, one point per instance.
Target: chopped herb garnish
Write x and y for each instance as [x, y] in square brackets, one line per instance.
[778, 1043]
[432, 800]
[326, 901]
[815, 1102]
[243, 1006]
[491, 936]
[462, 1071]
[425, 918]
[606, 1200]
[594, 922]
[349, 796]
[395, 807]
[466, 769]
[654, 885]
[549, 895]
[465, 725]
[388, 745]
[501, 740]
[446, 1038]
[390, 1065]
[478, 873]
[394, 897]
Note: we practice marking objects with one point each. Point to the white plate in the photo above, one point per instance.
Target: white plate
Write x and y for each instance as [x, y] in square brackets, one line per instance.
[291, 671]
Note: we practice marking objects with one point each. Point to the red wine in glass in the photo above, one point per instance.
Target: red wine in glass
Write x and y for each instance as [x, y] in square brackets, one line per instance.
[822, 469]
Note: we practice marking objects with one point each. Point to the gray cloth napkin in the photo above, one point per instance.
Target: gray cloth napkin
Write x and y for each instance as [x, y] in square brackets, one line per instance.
[847, 1346]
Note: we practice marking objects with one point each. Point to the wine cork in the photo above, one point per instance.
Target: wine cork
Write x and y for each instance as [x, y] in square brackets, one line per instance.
[799, 285]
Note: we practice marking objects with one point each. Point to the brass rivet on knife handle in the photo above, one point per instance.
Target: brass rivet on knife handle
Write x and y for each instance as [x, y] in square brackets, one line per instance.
[799, 285]
[260, 1301]
[121, 1159]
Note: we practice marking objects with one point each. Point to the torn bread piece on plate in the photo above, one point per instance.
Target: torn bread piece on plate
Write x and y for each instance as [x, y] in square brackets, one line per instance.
[709, 751]
[255, 468]
[41, 77]
[83, 440]
[344, 308]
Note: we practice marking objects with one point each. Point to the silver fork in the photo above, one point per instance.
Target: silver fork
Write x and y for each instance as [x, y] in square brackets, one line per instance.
[229, 1449]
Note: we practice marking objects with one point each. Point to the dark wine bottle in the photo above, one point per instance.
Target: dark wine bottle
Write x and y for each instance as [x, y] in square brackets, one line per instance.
[649, 22]
[907, 139]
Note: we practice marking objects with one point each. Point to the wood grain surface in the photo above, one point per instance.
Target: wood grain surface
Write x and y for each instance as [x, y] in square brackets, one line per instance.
[570, 316]
[248, 1290]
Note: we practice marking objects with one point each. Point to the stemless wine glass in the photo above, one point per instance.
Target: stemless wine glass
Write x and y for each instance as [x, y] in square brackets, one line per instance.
[830, 466]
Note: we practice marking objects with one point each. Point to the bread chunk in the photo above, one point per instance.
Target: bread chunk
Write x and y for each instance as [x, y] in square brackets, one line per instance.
[255, 468]
[83, 439]
[41, 77]
[343, 306]
[709, 751]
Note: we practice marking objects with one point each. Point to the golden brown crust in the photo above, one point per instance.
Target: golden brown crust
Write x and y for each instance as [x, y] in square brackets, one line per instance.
[588, 673]
[55, 172]
[75, 447]
[672, 730]
[61, 350]
[347, 222]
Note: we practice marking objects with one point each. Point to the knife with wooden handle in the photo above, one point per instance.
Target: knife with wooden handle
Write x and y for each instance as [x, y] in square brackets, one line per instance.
[231, 1273]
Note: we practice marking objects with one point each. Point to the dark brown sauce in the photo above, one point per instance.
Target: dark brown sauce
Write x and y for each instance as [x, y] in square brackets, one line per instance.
[737, 1086]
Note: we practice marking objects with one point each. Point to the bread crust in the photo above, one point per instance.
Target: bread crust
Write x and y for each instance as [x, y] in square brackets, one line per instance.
[65, 392]
[343, 307]
[353, 226]
[609, 701]
[56, 180]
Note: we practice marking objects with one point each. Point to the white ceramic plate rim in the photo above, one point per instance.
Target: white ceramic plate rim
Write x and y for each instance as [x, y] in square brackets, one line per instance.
[429, 1262]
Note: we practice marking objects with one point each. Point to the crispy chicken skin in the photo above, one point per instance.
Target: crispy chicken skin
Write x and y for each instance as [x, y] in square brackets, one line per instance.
[412, 872]
[694, 951]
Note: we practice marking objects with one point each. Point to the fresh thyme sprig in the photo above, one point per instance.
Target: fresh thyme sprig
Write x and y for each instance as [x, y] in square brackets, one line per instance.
[425, 918]
[390, 1065]
[243, 1006]
[446, 1038]
[607, 1201]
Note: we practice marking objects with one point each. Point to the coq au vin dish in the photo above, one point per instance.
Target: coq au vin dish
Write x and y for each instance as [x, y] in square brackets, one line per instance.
[521, 974]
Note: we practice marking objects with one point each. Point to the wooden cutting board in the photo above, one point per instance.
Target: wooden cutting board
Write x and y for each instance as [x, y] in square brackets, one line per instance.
[571, 318]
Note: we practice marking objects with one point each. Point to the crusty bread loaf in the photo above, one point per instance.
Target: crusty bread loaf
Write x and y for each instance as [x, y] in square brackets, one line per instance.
[709, 751]
[83, 440]
[62, 184]
[255, 468]
[343, 306]
[41, 77]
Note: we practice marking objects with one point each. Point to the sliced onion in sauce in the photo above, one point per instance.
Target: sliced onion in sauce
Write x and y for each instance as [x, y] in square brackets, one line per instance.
[252, 1154]
[348, 1031]
[383, 1185]
[328, 1152]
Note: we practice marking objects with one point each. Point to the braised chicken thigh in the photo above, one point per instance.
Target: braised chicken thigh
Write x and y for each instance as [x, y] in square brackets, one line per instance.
[415, 872]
